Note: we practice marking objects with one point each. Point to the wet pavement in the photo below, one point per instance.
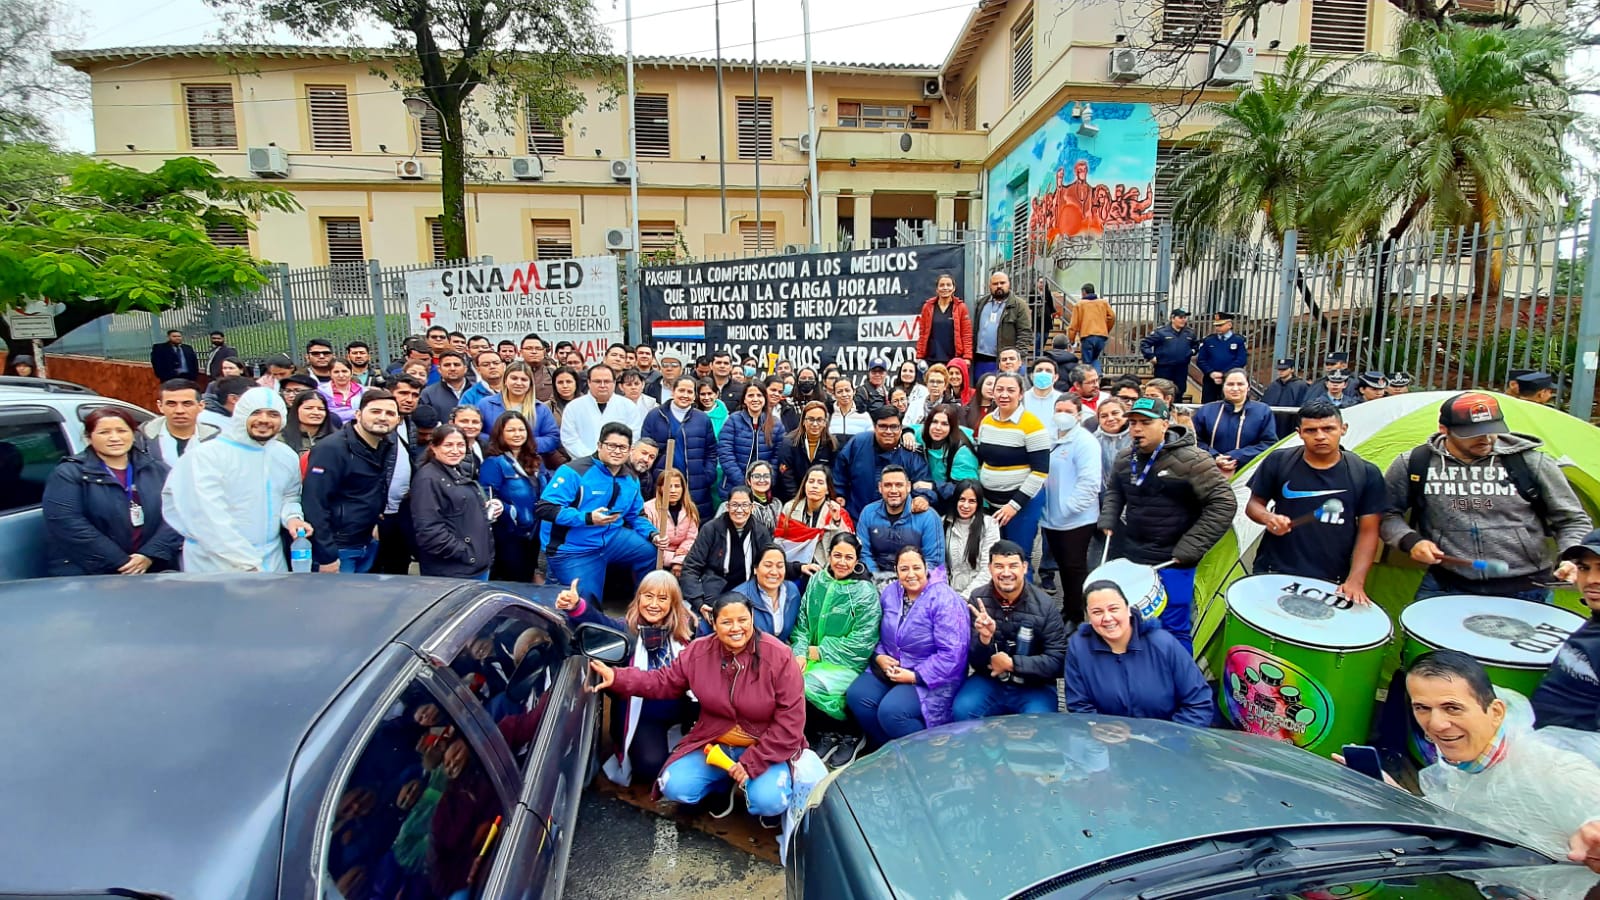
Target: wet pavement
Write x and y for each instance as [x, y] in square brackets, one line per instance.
[622, 851]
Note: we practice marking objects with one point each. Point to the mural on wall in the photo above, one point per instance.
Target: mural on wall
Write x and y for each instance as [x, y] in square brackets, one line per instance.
[1076, 186]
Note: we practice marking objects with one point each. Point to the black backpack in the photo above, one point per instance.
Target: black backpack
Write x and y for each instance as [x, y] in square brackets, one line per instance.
[1522, 478]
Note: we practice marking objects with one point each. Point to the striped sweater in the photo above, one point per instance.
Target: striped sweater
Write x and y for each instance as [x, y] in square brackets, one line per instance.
[1013, 457]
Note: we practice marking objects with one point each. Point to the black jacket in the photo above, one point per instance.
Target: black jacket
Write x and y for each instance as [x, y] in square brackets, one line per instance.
[705, 569]
[449, 522]
[1569, 695]
[1048, 650]
[1179, 511]
[793, 462]
[165, 361]
[87, 522]
[345, 489]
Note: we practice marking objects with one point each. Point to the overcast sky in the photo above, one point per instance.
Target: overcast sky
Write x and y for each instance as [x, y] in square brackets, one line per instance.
[897, 31]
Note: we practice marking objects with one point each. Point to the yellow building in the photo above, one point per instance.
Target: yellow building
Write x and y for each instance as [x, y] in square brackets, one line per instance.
[1046, 121]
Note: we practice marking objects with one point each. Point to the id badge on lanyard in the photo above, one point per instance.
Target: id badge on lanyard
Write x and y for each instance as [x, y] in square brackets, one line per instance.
[135, 511]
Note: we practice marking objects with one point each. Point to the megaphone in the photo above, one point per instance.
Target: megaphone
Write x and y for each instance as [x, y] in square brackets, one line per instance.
[718, 757]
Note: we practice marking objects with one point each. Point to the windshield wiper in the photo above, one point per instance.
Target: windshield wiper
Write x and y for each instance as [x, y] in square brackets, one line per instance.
[1206, 868]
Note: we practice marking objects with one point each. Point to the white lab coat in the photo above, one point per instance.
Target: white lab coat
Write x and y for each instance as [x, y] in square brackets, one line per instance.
[1540, 794]
[581, 421]
[231, 496]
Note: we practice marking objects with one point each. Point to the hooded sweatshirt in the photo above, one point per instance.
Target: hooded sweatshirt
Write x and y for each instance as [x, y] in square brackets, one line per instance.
[1473, 511]
[231, 496]
[1155, 679]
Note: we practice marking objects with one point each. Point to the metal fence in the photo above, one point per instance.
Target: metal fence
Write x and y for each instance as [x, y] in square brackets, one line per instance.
[1455, 308]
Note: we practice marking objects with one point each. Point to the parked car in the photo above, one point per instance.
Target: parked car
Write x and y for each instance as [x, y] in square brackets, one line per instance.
[242, 736]
[41, 422]
[1066, 806]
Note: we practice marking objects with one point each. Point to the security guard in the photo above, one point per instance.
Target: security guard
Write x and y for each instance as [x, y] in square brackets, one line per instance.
[1171, 347]
[1221, 352]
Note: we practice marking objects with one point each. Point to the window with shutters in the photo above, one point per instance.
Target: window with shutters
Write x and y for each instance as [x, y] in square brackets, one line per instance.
[329, 106]
[1169, 160]
[658, 237]
[1192, 21]
[1339, 26]
[1022, 55]
[898, 116]
[552, 239]
[224, 235]
[210, 111]
[347, 255]
[1020, 214]
[969, 109]
[755, 127]
[541, 140]
[652, 127]
[436, 239]
[430, 131]
[759, 237]
[1487, 6]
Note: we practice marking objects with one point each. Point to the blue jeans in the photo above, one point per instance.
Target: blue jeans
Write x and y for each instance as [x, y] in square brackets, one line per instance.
[982, 696]
[358, 560]
[1430, 588]
[691, 778]
[885, 710]
[1180, 604]
[1024, 526]
[1090, 347]
[622, 546]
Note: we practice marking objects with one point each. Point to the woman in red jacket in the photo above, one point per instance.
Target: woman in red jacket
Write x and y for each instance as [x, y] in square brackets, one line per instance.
[946, 325]
[752, 706]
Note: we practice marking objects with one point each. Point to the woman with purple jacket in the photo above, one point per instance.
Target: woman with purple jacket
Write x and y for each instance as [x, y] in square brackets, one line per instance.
[921, 658]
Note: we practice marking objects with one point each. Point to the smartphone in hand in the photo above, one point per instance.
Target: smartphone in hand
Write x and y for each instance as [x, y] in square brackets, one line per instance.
[1363, 759]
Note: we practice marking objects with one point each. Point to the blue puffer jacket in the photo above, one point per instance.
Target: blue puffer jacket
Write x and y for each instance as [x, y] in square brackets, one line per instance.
[546, 433]
[695, 451]
[763, 613]
[579, 488]
[1242, 435]
[856, 469]
[1155, 679]
[519, 493]
[742, 443]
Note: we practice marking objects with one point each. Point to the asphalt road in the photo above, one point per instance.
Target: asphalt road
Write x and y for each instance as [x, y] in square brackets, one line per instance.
[620, 851]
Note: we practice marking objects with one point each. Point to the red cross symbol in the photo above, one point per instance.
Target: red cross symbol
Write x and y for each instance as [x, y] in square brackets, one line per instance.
[427, 315]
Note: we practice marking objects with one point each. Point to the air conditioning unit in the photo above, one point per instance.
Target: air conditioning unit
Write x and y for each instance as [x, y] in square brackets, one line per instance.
[805, 142]
[527, 168]
[619, 238]
[1233, 64]
[795, 249]
[1129, 63]
[931, 89]
[409, 169]
[622, 170]
[269, 162]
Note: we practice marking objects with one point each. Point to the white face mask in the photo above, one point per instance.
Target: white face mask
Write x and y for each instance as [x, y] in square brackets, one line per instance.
[1065, 422]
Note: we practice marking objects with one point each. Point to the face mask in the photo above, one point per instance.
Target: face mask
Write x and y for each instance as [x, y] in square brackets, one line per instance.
[807, 387]
[1065, 422]
[1043, 380]
[749, 371]
[788, 389]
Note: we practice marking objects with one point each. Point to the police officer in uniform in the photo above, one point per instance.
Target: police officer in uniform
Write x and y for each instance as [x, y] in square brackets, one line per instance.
[1170, 348]
[1221, 352]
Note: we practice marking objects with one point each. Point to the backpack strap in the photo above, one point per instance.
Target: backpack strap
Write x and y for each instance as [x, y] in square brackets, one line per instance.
[1416, 477]
[1527, 484]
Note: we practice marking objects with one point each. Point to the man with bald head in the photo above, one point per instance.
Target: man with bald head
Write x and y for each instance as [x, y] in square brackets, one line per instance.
[999, 321]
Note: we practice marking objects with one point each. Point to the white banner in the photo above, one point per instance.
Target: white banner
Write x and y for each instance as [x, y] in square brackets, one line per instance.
[558, 299]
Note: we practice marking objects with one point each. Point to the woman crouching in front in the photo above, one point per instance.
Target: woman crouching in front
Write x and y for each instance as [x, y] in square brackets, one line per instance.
[752, 708]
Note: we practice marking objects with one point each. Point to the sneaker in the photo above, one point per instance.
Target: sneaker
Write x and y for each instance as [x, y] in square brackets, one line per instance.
[849, 747]
[825, 745]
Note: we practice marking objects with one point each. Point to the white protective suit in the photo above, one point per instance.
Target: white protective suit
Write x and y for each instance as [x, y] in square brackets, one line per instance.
[230, 497]
[1540, 794]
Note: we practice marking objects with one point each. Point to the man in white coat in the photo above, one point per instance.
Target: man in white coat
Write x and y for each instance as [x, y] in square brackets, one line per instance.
[230, 496]
[581, 420]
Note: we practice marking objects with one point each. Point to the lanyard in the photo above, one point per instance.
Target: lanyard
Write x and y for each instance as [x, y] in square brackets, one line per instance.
[1137, 474]
[131, 488]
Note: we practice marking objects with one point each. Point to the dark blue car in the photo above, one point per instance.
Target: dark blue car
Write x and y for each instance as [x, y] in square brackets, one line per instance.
[290, 736]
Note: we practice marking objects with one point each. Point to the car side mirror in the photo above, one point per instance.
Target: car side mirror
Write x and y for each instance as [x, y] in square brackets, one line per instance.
[599, 642]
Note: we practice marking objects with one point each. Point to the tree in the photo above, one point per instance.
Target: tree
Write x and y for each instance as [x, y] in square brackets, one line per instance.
[529, 55]
[31, 83]
[104, 238]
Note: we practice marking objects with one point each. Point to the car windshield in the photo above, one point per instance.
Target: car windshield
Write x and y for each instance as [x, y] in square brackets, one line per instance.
[1289, 862]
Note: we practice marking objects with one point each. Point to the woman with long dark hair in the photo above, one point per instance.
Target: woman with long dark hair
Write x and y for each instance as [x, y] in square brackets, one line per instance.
[808, 388]
[807, 523]
[710, 402]
[982, 402]
[724, 549]
[804, 447]
[309, 421]
[513, 473]
[102, 507]
[968, 535]
[833, 638]
[948, 452]
[674, 514]
[752, 434]
[342, 391]
[450, 515]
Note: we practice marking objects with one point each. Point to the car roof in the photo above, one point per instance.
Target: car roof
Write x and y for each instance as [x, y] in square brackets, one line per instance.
[988, 808]
[13, 386]
[154, 719]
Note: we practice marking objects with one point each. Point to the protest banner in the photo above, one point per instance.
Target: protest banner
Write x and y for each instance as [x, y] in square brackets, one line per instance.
[809, 308]
[558, 299]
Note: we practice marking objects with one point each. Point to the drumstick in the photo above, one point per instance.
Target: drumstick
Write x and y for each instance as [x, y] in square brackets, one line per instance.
[1492, 567]
[1329, 508]
[1159, 566]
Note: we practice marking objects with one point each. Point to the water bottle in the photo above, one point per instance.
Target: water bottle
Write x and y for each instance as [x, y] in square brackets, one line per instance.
[1025, 640]
[300, 552]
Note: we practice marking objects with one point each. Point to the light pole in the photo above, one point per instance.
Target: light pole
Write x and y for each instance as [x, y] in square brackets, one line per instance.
[811, 133]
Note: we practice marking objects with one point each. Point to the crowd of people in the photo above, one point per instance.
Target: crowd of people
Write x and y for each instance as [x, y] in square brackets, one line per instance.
[881, 533]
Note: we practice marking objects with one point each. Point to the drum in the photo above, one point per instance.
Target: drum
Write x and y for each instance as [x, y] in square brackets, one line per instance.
[1516, 640]
[1139, 583]
[1302, 662]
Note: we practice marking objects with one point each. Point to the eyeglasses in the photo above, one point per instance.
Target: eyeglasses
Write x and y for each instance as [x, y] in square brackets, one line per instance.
[612, 445]
[319, 353]
[739, 505]
[813, 420]
[761, 476]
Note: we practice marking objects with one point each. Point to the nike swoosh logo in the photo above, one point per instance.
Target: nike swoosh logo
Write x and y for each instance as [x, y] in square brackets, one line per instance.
[1290, 493]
